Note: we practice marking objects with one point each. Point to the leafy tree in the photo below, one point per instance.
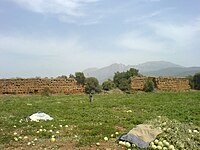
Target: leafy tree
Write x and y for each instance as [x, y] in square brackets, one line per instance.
[191, 81]
[92, 85]
[63, 77]
[132, 72]
[71, 76]
[124, 85]
[108, 85]
[118, 77]
[80, 78]
[196, 80]
[149, 86]
[122, 79]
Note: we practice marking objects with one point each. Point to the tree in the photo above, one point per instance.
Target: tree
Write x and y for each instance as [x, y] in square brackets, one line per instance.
[124, 85]
[63, 77]
[71, 76]
[132, 72]
[122, 79]
[80, 78]
[196, 80]
[149, 86]
[92, 85]
[108, 85]
[117, 78]
[191, 82]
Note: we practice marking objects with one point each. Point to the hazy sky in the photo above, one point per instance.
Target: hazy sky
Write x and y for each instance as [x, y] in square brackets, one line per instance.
[59, 37]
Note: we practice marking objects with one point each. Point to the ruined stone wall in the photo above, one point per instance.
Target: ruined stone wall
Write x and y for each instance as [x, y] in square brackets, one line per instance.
[38, 85]
[170, 83]
[137, 83]
[161, 83]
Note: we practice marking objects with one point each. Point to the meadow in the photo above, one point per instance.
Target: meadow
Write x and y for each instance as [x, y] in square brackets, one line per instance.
[79, 124]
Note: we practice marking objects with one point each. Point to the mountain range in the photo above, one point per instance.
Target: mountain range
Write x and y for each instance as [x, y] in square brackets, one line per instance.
[151, 68]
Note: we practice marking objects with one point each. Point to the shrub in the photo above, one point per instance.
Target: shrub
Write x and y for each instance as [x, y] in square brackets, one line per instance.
[108, 85]
[80, 78]
[92, 85]
[196, 80]
[124, 85]
[149, 86]
[121, 79]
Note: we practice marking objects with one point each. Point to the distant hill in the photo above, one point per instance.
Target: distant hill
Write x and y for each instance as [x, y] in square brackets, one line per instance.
[155, 65]
[105, 73]
[174, 71]
[152, 68]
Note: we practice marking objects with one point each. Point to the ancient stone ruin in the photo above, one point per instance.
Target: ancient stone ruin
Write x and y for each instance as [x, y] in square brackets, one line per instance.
[40, 85]
[70, 85]
[161, 83]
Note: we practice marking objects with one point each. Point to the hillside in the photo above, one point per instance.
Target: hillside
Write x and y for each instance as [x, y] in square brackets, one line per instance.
[174, 71]
[147, 68]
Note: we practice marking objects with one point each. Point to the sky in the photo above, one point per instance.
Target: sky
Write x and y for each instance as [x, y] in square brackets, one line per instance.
[48, 38]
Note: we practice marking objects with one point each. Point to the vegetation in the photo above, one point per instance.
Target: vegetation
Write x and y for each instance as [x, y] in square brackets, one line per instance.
[149, 86]
[80, 78]
[108, 85]
[89, 123]
[92, 85]
[191, 82]
[71, 76]
[196, 81]
[122, 79]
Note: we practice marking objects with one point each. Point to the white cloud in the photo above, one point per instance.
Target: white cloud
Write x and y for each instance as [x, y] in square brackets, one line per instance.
[58, 7]
[182, 36]
[142, 18]
[26, 56]
[148, 17]
[136, 41]
[28, 45]
[162, 37]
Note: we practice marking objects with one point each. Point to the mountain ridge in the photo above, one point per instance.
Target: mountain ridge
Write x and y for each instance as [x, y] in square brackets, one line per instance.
[150, 68]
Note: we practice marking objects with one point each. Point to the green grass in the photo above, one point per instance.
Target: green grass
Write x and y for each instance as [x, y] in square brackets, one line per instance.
[90, 122]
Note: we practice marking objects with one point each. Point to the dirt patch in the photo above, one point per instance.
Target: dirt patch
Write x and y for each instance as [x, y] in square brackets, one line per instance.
[120, 129]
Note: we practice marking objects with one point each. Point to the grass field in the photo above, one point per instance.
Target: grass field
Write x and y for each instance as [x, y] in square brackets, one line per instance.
[88, 123]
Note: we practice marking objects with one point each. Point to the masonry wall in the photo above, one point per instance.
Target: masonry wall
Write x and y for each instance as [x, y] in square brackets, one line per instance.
[170, 83]
[161, 83]
[38, 85]
[137, 83]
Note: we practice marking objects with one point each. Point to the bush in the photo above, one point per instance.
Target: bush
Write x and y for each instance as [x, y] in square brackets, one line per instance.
[121, 79]
[108, 85]
[124, 85]
[80, 78]
[92, 85]
[191, 82]
[196, 81]
[149, 86]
